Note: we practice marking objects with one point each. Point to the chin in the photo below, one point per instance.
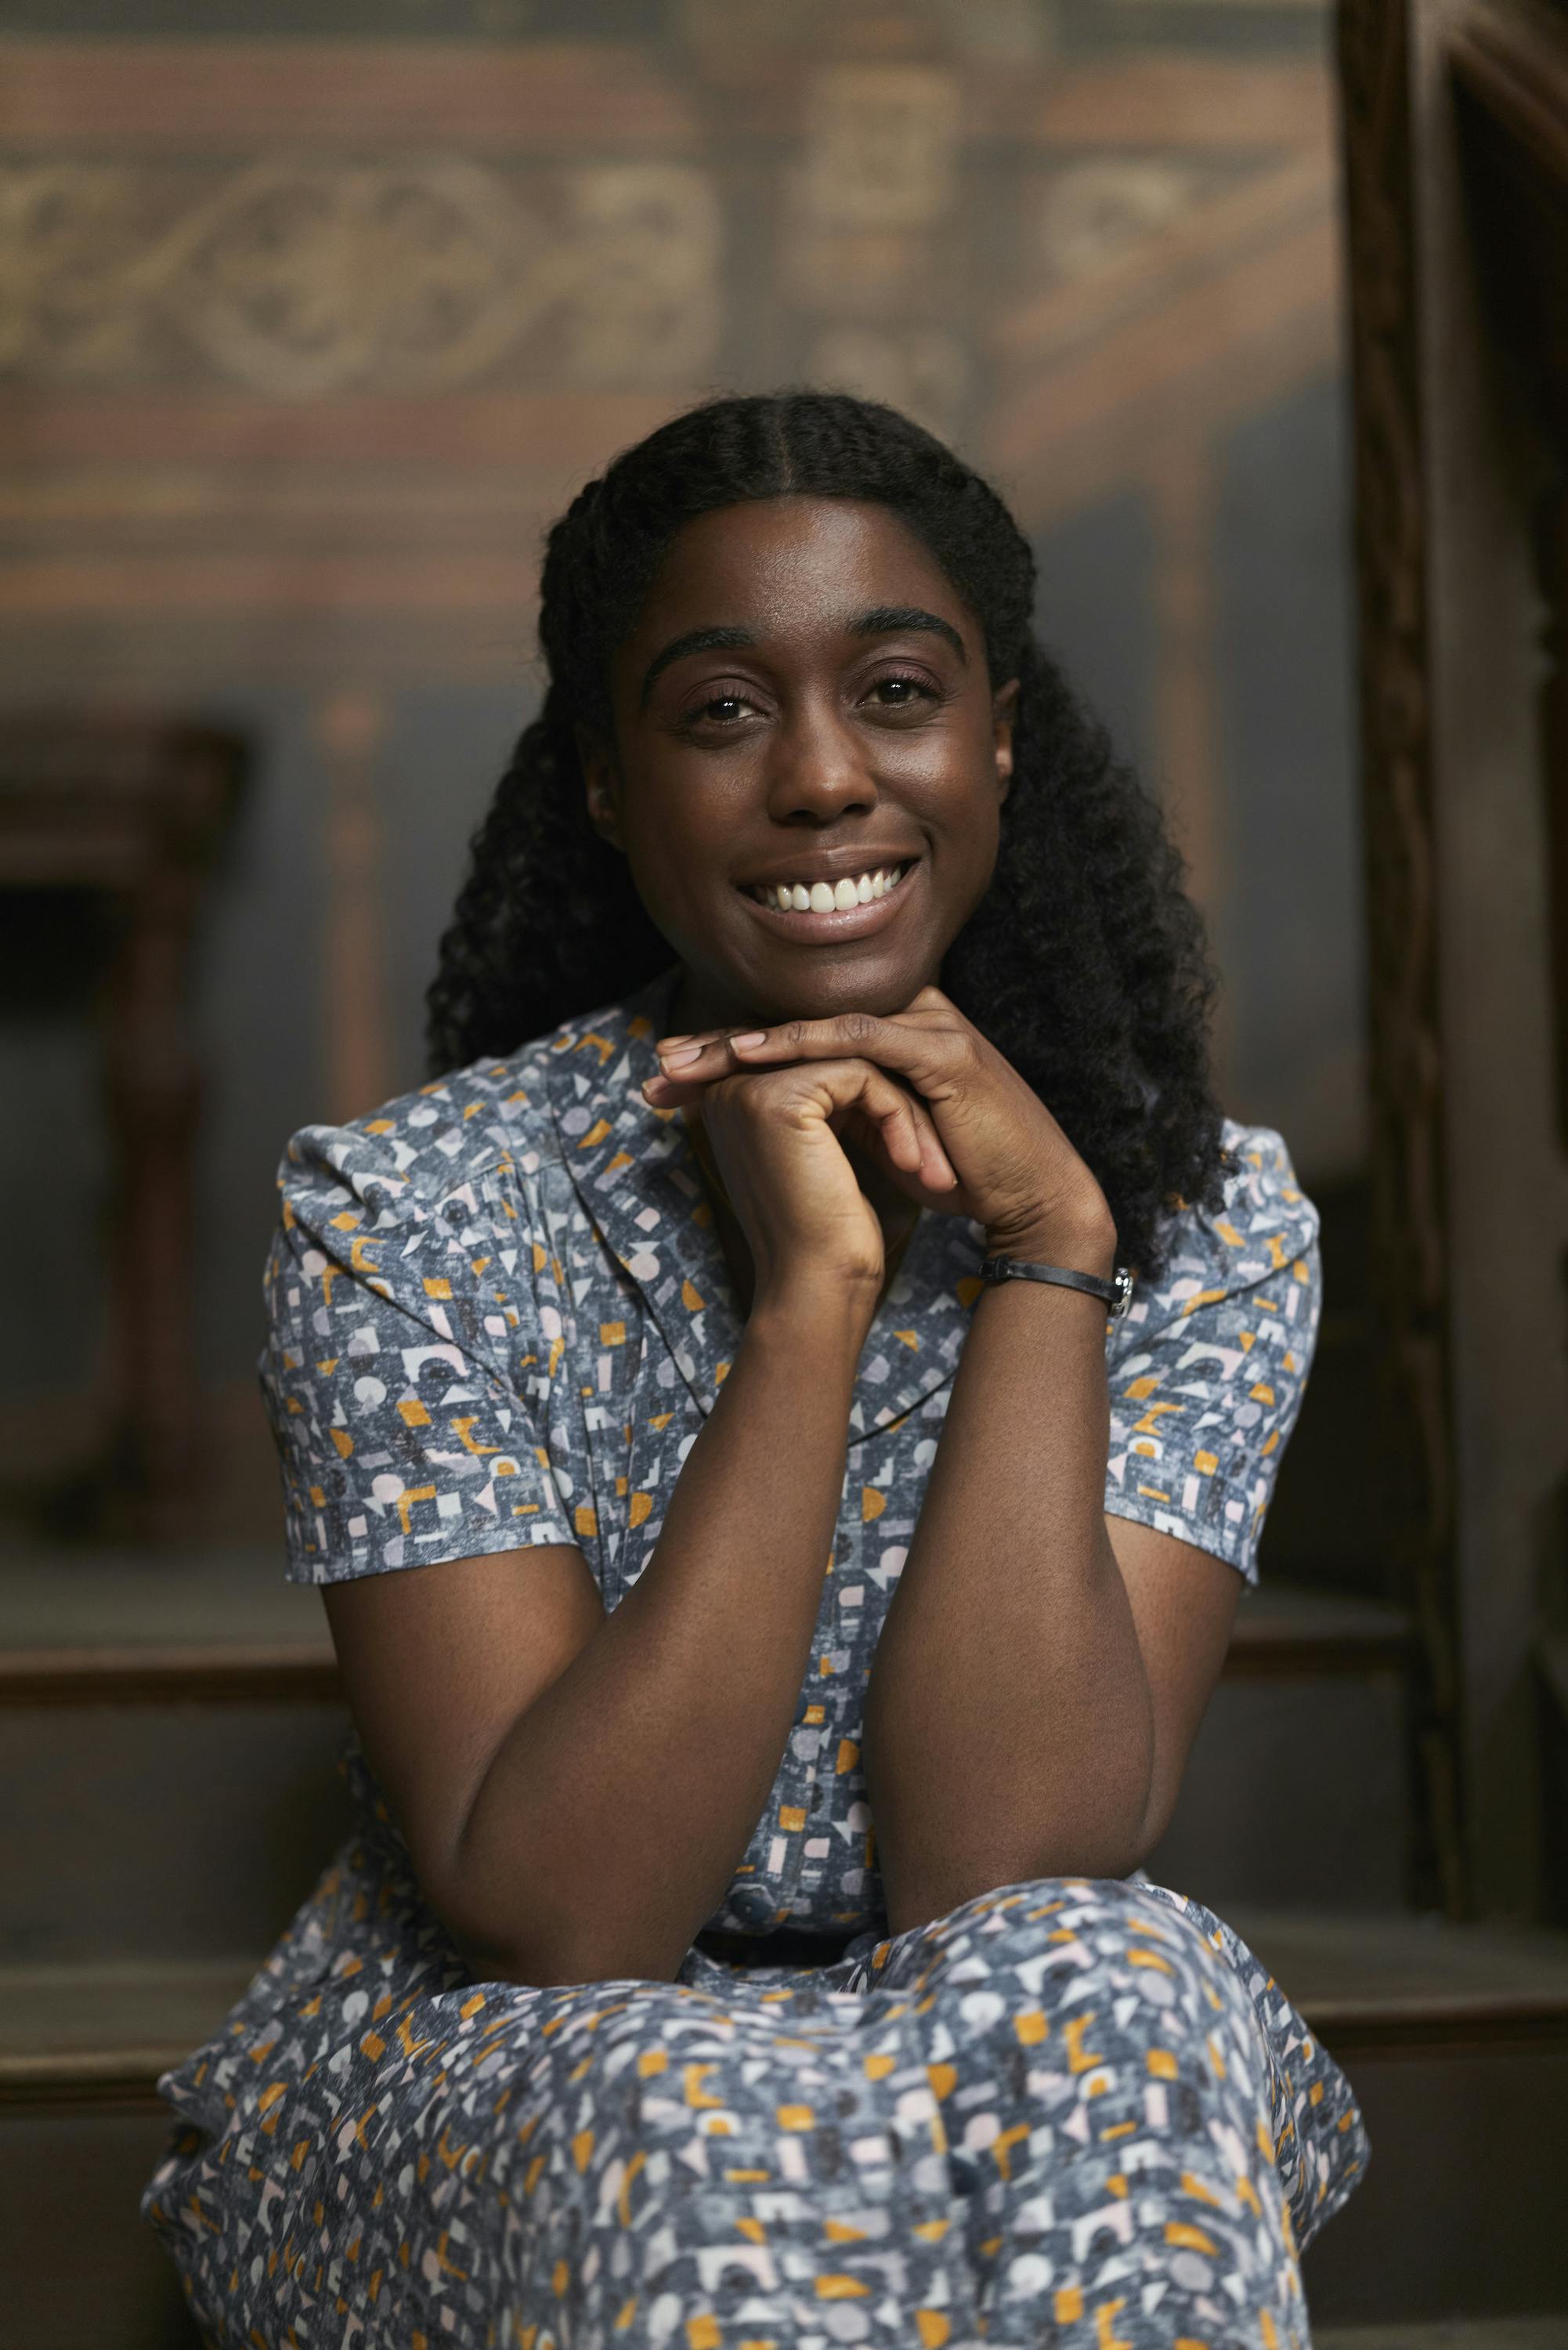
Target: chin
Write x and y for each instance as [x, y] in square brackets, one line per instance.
[840, 985]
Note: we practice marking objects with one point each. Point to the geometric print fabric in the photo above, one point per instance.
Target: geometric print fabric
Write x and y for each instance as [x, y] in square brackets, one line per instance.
[1068, 2112]
[498, 1316]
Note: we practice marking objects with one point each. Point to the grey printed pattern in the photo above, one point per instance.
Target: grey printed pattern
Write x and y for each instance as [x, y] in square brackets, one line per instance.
[1066, 2111]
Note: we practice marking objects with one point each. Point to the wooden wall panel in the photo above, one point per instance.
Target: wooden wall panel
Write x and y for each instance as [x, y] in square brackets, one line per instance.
[303, 342]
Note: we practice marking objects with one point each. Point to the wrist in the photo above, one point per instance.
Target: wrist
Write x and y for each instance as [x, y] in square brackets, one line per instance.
[1082, 1238]
[831, 1311]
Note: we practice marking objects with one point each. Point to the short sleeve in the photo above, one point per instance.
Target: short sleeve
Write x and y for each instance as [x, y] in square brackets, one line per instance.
[401, 1441]
[1209, 1364]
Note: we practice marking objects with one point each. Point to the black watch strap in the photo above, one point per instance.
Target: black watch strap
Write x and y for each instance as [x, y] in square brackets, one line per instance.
[1113, 1294]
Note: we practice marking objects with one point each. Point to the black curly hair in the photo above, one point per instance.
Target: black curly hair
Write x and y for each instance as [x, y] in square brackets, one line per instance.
[1084, 963]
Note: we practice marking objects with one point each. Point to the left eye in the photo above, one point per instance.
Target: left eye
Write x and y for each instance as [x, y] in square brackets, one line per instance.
[897, 692]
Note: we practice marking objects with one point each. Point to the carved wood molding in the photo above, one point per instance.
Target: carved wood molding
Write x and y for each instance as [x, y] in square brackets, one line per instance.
[1511, 72]
[1514, 63]
[1405, 1042]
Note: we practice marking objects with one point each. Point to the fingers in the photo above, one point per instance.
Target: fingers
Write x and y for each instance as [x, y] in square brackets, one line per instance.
[932, 1045]
[834, 1091]
[903, 1125]
[675, 1050]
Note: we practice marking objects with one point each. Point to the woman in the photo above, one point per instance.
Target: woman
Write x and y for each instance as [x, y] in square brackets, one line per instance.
[776, 1606]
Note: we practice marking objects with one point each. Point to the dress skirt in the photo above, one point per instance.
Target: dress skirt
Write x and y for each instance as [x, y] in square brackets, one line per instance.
[1069, 2112]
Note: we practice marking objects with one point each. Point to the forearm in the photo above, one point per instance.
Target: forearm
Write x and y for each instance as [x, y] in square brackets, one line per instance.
[1009, 1729]
[611, 1818]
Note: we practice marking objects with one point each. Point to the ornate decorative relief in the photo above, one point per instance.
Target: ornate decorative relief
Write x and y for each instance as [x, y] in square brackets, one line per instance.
[296, 279]
[871, 242]
[924, 371]
[882, 145]
[1093, 212]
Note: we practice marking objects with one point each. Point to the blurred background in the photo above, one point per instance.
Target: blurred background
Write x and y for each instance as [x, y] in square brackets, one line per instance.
[313, 323]
[313, 315]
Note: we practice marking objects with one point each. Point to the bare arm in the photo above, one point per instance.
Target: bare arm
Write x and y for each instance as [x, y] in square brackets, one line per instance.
[1042, 1669]
[1039, 1677]
[575, 1790]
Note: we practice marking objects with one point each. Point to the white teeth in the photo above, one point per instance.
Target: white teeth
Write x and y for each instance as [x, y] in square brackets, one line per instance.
[829, 896]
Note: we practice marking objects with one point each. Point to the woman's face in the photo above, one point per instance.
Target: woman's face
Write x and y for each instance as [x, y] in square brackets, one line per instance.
[803, 708]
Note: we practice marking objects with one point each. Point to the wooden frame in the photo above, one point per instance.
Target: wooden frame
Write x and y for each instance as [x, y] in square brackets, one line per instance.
[1453, 339]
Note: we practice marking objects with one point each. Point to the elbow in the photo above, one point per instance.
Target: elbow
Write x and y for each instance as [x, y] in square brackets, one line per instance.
[1111, 1834]
[551, 1951]
[1124, 1838]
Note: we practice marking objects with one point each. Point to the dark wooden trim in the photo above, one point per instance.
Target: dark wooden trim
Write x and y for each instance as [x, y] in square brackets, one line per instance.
[109, 2080]
[1515, 64]
[174, 1675]
[546, 98]
[1511, 72]
[1265, 1647]
[1482, 2024]
[550, 437]
[1271, 1650]
[1355, 2030]
[1409, 1220]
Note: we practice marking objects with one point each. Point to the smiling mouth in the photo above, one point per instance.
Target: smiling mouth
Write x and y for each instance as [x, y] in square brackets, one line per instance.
[840, 897]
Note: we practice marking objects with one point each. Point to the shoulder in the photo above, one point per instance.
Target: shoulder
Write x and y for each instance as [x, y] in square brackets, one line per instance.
[1263, 1234]
[1209, 1363]
[413, 1153]
[424, 1146]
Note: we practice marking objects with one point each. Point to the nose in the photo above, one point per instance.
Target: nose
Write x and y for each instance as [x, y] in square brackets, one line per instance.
[818, 770]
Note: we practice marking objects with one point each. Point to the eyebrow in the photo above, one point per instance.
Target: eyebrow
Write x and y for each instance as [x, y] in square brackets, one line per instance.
[882, 620]
[895, 620]
[695, 641]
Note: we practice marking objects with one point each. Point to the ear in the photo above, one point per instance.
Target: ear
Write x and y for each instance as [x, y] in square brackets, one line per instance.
[1004, 707]
[601, 784]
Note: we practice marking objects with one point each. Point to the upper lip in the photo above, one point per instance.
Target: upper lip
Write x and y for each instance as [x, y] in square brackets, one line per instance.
[830, 865]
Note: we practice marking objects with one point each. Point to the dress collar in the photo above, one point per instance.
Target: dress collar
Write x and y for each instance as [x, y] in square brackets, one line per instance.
[634, 1169]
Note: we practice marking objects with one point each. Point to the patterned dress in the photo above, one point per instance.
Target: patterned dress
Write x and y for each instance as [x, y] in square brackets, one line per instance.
[1068, 2112]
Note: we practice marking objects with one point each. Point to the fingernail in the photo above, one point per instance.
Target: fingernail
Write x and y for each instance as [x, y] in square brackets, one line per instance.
[684, 1037]
[751, 1036]
[676, 1057]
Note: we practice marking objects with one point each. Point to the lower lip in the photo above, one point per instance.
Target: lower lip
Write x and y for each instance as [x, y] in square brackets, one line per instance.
[834, 929]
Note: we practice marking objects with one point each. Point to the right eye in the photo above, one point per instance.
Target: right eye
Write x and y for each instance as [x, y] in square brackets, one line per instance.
[720, 710]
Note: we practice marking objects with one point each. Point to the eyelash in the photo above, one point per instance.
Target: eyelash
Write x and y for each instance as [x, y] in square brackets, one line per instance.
[921, 685]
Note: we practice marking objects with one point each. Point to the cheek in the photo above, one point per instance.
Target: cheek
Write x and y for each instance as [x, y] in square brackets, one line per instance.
[670, 851]
[977, 844]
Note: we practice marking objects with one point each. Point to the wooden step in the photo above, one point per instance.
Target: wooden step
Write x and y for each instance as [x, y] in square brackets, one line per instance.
[1456, 2040]
[1373, 1989]
[1382, 1987]
[166, 1828]
[1285, 1631]
[175, 1797]
[100, 2036]
[1280, 1633]
[1449, 2333]
[190, 1674]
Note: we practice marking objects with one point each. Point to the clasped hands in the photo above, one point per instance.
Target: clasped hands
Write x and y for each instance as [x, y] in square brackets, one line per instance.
[929, 1100]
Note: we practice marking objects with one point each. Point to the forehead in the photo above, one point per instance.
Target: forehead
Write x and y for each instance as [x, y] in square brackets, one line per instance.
[794, 566]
